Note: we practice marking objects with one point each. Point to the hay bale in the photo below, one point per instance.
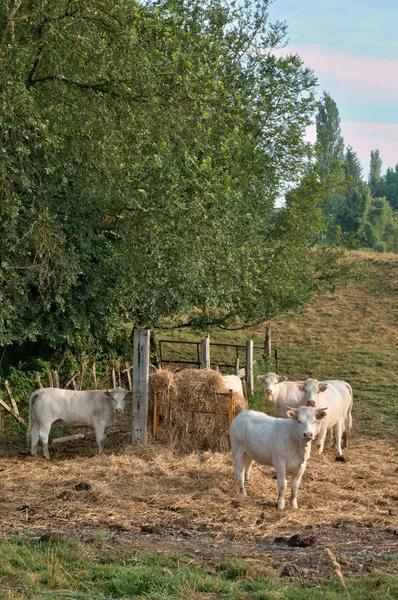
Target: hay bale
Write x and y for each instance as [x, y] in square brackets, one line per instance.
[183, 393]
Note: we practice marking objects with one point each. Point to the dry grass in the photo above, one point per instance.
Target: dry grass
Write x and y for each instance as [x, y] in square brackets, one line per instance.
[181, 396]
[196, 493]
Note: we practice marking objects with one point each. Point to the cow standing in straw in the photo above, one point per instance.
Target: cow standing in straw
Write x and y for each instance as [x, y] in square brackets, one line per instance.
[89, 408]
[283, 443]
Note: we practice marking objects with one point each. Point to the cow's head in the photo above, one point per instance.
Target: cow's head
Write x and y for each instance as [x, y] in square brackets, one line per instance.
[308, 420]
[312, 388]
[270, 381]
[118, 396]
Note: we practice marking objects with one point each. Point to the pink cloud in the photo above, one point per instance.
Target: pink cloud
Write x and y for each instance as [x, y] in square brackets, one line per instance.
[363, 71]
[364, 137]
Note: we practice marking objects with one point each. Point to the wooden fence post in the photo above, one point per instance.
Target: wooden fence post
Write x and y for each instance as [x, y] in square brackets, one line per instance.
[205, 352]
[37, 377]
[55, 378]
[237, 366]
[94, 374]
[249, 367]
[267, 341]
[50, 379]
[140, 387]
[127, 371]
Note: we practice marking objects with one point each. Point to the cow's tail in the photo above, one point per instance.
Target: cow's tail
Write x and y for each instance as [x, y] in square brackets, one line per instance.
[29, 430]
[348, 419]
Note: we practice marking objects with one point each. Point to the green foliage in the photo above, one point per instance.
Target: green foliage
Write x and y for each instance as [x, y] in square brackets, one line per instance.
[355, 215]
[330, 144]
[353, 168]
[374, 170]
[387, 187]
[144, 147]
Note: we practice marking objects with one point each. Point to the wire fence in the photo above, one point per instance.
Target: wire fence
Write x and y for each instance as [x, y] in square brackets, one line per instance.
[55, 594]
[231, 544]
[172, 540]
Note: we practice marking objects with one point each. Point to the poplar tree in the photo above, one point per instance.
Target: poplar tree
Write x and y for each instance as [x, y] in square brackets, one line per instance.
[374, 170]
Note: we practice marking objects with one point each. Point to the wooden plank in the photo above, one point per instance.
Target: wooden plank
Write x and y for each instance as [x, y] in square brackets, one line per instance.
[127, 371]
[68, 438]
[231, 408]
[155, 415]
[9, 410]
[141, 339]
[9, 392]
[72, 380]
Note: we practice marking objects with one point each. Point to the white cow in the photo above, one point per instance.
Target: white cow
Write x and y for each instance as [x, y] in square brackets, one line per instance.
[234, 383]
[281, 393]
[318, 393]
[283, 443]
[346, 393]
[90, 408]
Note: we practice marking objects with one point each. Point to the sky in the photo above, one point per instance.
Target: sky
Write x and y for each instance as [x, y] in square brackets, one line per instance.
[352, 47]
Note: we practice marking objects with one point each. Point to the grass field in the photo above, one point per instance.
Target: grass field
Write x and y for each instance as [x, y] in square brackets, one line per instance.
[98, 568]
[350, 508]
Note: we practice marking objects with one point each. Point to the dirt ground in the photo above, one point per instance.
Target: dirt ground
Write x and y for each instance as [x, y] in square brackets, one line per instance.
[161, 497]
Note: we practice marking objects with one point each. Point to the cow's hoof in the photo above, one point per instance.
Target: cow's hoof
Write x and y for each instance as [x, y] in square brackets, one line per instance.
[341, 458]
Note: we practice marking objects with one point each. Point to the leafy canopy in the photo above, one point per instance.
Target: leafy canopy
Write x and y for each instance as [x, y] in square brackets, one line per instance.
[143, 147]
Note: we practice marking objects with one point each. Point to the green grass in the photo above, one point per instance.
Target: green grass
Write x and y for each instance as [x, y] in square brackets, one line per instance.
[98, 568]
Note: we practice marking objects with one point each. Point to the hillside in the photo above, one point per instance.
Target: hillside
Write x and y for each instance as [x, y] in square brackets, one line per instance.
[351, 334]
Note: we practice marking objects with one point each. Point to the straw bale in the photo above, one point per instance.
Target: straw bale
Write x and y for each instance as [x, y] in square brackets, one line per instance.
[180, 396]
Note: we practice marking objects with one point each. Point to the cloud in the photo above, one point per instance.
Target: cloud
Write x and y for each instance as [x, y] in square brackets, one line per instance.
[364, 137]
[378, 75]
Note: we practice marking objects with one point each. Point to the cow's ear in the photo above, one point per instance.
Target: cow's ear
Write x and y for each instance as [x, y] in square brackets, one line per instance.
[321, 413]
[108, 393]
[301, 387]
[323, 387]
[292, 413]
[128, 395]
[261, 377]
[282, 378]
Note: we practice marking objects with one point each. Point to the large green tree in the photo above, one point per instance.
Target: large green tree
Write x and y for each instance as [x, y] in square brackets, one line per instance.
[374, 170]
[143, 146]
[387, 187]
[330, 155]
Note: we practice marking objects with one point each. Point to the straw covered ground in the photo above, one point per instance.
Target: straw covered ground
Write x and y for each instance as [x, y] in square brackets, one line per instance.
[155, 493]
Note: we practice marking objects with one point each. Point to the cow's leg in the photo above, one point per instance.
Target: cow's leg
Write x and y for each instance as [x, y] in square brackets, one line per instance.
[34, 438]
[280, 469]
[331, 436]
[347, 429]
[44, 434]
[338, 431]
[239, 468]
[248, 467]
[295, 484]
[100, 436]
[320, 440]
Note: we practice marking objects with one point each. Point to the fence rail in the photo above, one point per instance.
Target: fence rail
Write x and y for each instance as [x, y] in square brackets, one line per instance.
[197, 361]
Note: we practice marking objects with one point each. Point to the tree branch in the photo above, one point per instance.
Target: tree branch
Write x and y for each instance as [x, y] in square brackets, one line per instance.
[10, 21]
[95, 87]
